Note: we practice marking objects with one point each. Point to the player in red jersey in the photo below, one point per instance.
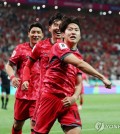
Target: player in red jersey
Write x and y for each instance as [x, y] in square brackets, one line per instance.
[25, 100]
[58, 91]
[42, 50]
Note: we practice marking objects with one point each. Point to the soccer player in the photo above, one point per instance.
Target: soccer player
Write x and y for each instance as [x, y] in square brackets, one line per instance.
[41, 51]
[25, 100]
[5, 88]
[58, 91]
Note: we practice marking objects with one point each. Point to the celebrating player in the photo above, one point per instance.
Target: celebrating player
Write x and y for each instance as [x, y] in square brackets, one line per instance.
[58, 91]
[25, 100]
[41, 51]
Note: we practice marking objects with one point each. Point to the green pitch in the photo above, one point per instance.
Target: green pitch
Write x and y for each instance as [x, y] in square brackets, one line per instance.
[100, 114]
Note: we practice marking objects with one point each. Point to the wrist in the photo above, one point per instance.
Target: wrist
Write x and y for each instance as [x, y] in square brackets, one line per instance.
[11, 77]
[75, 97]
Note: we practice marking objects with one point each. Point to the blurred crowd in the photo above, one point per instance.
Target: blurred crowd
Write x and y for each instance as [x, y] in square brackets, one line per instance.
[112, 2]
[100, 43]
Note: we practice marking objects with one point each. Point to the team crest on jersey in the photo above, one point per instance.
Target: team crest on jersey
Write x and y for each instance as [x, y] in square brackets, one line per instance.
[13, 54]
[62, 46]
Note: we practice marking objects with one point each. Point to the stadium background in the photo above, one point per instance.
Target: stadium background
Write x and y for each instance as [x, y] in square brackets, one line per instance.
[100, 44]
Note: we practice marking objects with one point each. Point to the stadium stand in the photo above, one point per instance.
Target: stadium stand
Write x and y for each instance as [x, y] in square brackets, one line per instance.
[100, 43]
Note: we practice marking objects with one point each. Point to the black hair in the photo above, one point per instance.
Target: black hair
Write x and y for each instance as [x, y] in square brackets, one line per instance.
[35, 24]
[67, 21]
[57, 16]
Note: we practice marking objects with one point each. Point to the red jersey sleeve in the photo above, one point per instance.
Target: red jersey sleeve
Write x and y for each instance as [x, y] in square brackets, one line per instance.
[26, 71]
[15, 57]
[36, 51]
[60, 50]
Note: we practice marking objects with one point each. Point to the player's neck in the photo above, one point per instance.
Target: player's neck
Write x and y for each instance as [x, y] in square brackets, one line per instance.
[71, 45]
[32, 45]
[53, 40]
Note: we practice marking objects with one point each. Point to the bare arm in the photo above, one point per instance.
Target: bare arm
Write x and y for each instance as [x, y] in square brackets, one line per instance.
[85, 67]
[78, 87]
[10, 71]
[67, 101]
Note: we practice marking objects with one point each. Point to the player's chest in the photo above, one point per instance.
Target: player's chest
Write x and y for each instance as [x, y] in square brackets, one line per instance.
[25, 54]
[68, 69]
[45, 54]
[71, 70]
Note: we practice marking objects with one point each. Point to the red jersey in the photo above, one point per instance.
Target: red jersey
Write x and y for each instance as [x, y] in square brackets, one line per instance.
[19, 58]
[41, 51]
[60, 77]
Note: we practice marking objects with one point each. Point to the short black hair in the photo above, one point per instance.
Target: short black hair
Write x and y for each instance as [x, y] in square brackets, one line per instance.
[57, 16]
[35, 24]
[67, 21]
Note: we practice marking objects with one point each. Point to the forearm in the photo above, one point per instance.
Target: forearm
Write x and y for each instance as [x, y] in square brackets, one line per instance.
[26, 73]
[9, 69]
[26, 70]
[78, 86]
[85, 67]
[77, 91]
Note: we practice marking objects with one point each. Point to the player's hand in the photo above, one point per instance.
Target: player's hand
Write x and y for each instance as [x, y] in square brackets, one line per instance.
[107, 83]
[25, 85]
[68, 101]
[15, 82]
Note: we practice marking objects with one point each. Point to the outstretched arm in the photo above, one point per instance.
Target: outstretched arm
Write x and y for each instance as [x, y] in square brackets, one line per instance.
[85, 67]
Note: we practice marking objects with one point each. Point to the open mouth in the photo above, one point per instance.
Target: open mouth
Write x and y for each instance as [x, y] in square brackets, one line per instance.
[58, 33]
[36, 38]
[72, 37]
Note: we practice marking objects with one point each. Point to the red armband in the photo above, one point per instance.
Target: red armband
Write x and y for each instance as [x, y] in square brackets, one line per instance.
[11, 77]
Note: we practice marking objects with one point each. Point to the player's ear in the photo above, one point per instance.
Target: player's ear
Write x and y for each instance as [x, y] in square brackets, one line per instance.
[42, 35]
[28, 34]
[49, 28]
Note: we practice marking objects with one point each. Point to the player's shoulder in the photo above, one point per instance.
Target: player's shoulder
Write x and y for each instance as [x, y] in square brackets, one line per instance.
[21, 45]
[61, 45]
[79, 54]
[44, 44]
[19, 48]
[41, 42]
[46, 40]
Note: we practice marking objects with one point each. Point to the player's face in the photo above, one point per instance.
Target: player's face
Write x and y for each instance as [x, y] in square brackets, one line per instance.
[72, 34]
[54, 29]
[35, 35]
